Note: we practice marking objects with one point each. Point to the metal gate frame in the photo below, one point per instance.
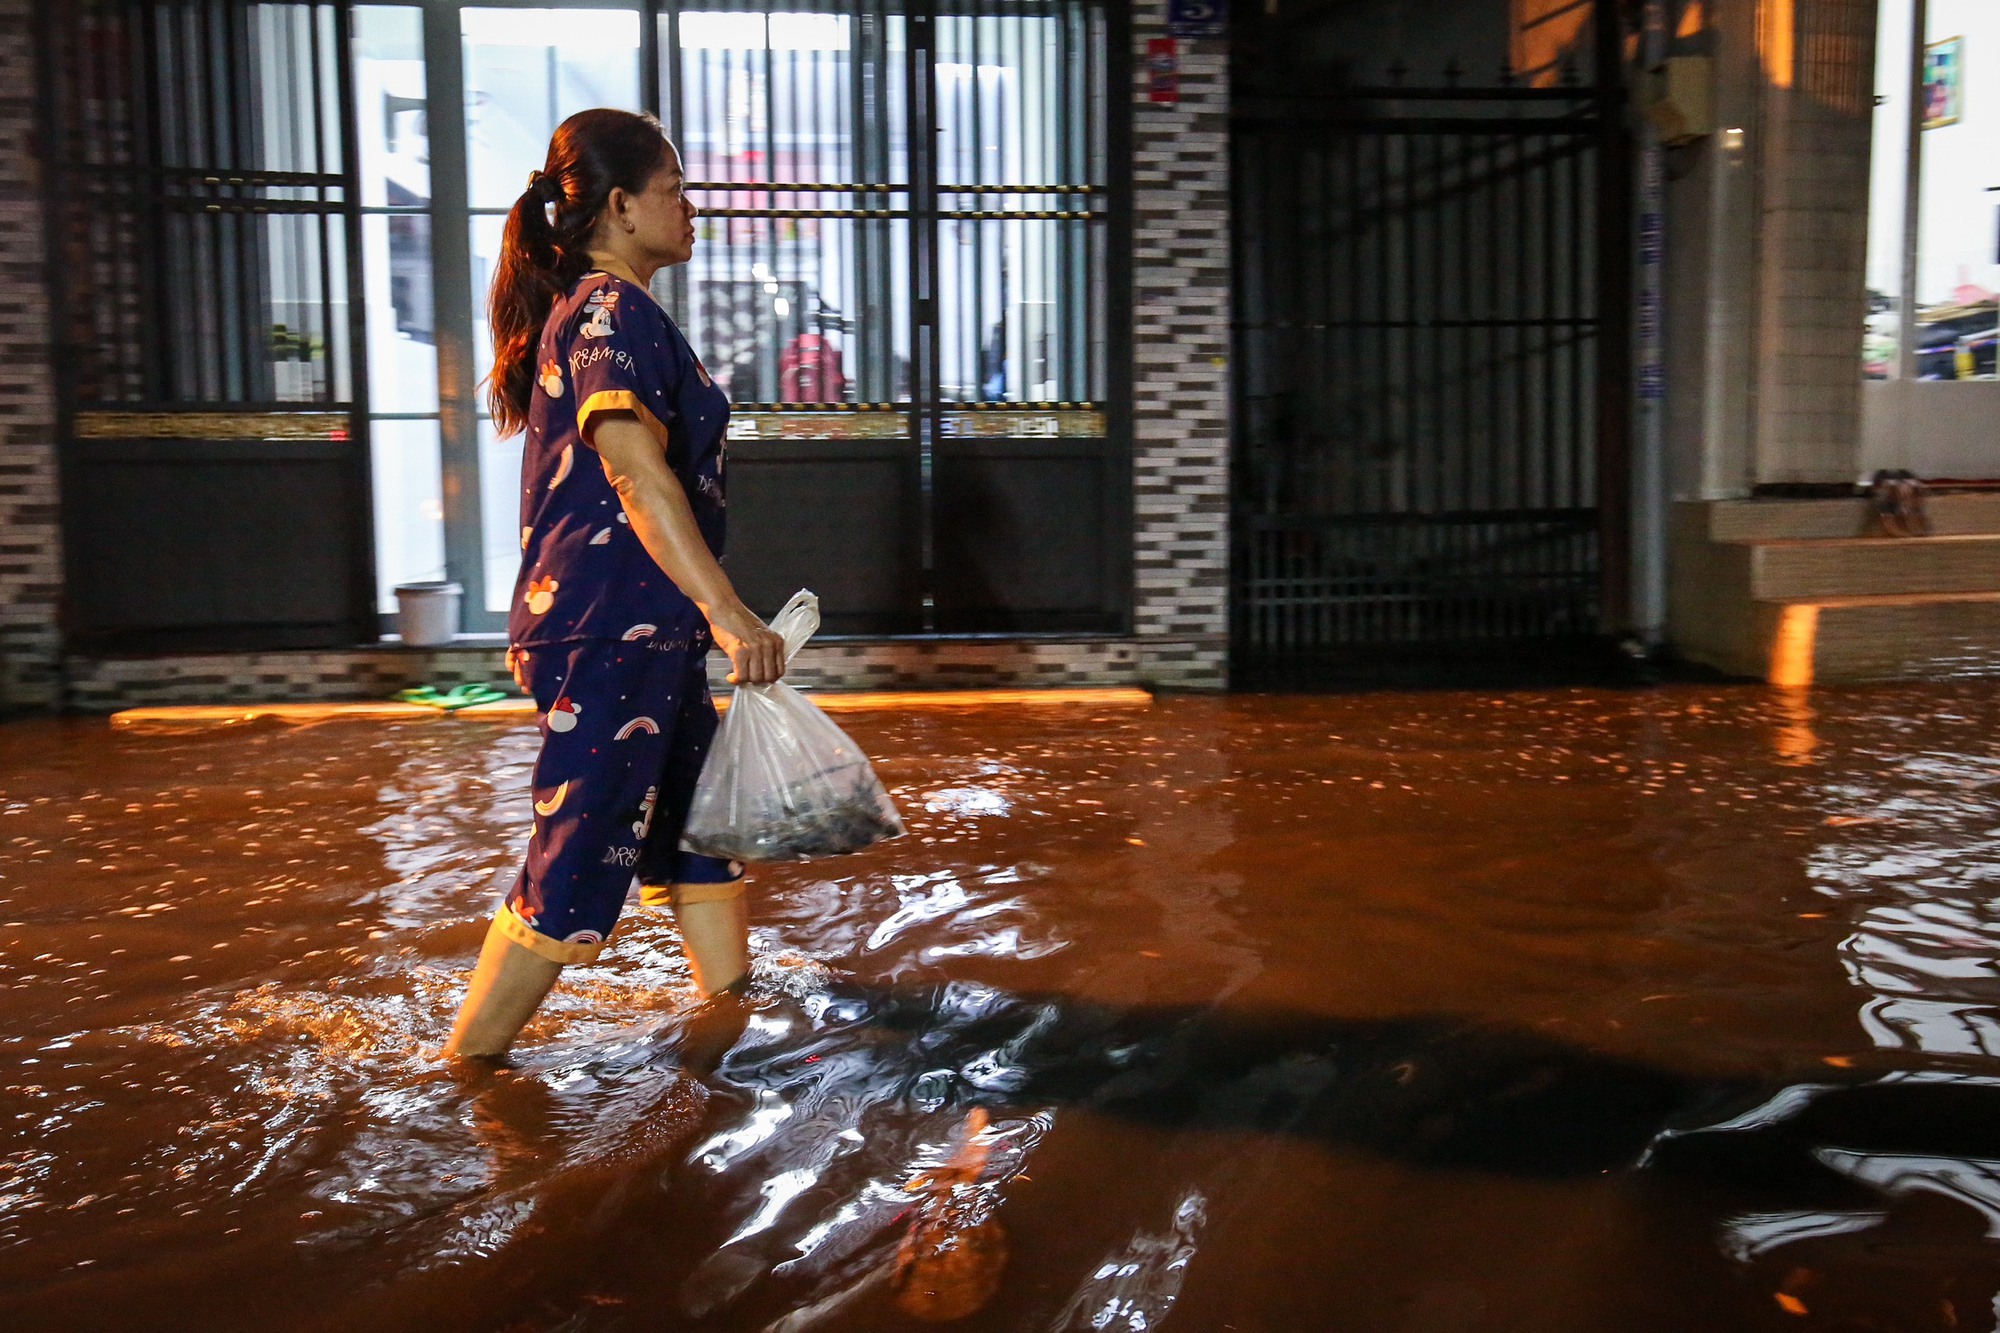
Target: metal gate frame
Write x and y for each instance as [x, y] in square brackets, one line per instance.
[863, 495]
[986, 516]
[214, 473]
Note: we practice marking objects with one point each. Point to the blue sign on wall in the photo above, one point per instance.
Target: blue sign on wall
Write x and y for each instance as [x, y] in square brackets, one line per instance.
[1198, 18]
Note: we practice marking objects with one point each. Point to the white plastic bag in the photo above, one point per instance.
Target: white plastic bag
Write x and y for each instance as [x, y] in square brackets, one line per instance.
[782, 782]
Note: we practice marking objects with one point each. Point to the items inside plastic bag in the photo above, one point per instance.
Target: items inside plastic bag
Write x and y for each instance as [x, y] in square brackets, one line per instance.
[782, 782]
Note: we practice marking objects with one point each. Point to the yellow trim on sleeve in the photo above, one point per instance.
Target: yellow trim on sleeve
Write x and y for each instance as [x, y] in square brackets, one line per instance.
[510, 925]
[617, 400]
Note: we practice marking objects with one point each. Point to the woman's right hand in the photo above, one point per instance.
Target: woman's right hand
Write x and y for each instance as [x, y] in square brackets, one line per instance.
[756, 651]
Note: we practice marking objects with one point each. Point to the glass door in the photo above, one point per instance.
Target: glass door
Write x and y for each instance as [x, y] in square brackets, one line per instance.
[525, 72]
[902, 281]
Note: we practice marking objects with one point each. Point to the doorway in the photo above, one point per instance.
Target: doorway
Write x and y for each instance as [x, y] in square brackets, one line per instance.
[1429, 414]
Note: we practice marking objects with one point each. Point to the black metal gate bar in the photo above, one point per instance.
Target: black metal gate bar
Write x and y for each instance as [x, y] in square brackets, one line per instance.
[1420, 415]
[1612, 408]
[361, 567]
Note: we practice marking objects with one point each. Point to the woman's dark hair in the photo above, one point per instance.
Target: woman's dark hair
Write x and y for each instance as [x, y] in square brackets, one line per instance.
[546, 245]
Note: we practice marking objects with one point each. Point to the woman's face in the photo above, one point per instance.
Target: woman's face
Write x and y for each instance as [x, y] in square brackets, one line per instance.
[660, 216]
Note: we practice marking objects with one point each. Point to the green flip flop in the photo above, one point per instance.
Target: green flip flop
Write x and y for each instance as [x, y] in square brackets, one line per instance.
[459, 696]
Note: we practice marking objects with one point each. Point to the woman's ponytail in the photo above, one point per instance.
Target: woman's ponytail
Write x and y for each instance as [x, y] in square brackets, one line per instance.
[526, 283]
[545, 246]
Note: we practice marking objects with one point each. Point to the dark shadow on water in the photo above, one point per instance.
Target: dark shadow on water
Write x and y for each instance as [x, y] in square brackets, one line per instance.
[1432, 1091]
[704, 1128]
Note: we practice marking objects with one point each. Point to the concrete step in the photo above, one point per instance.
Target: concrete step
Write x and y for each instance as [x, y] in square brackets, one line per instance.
[1787, 590]
[1853, 639]
[1795, 571]
[1952, 513]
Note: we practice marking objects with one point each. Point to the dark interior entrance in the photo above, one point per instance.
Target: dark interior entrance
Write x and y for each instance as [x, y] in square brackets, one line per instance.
[1429, 445]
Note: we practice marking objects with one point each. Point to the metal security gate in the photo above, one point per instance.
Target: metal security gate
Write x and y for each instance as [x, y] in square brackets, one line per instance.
[1425, 346]
[203, 245]
[904, 282]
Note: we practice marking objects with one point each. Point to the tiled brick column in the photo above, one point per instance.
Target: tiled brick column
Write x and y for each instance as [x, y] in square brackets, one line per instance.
[1181, 385]
[30, 549]
[1817, 61]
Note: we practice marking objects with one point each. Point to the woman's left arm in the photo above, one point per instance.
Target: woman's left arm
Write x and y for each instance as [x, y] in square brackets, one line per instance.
[635, 462]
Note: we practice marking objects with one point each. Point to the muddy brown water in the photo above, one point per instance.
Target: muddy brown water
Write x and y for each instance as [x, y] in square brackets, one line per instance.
[1670, 1010]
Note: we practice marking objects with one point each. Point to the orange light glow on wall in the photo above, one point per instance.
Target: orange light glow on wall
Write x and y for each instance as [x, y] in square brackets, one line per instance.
[1792, 647]
[1544, 31]
[1693, 20]
[1777, 40]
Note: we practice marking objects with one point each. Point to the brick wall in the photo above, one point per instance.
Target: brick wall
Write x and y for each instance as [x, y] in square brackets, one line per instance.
[1181, 345]
[30, 547]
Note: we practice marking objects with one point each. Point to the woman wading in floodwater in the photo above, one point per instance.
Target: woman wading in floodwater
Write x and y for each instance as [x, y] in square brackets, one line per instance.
[620, 594]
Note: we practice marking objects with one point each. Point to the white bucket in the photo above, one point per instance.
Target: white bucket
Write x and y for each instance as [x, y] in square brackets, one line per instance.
[427, 613]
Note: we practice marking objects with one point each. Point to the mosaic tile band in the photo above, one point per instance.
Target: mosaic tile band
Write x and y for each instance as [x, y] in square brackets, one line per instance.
[211, 425]
[105, 685]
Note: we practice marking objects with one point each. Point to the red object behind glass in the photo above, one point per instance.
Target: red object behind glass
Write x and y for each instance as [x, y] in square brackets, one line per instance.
[1163, 69]
[810, 371]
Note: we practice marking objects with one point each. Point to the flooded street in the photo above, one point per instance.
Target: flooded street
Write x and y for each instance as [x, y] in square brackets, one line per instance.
[1671, 1009]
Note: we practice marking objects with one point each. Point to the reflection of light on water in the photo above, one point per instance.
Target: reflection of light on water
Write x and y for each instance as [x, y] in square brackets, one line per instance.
[1921, 853]
[1973, 1182]
[966, 802]
[1134, 1289]
[448, 824]
[1930, 965]
[718, 1153]
[263, 1104]
[1941, 1027]
[1006, 943]
[1752, 1235]
[972, 916]
[484, 1229]
[1796, 739]
[876, 1196]
[925, 898]
[778, 1191]
[1786, 1103]
[22, 1177]
[1918, 858]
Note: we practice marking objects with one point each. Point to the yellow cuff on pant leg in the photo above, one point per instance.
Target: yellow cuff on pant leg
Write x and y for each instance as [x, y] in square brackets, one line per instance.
[517, 931]
[679, 895]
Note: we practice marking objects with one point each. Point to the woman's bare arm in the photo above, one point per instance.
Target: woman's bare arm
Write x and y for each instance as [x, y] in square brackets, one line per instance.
[635, 461]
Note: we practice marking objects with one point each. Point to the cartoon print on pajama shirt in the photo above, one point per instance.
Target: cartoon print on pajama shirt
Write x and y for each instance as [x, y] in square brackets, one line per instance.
[612, 651]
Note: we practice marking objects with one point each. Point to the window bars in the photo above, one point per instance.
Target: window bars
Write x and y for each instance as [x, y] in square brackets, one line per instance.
[202, 203]
[1421, 330]
[867, 249]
